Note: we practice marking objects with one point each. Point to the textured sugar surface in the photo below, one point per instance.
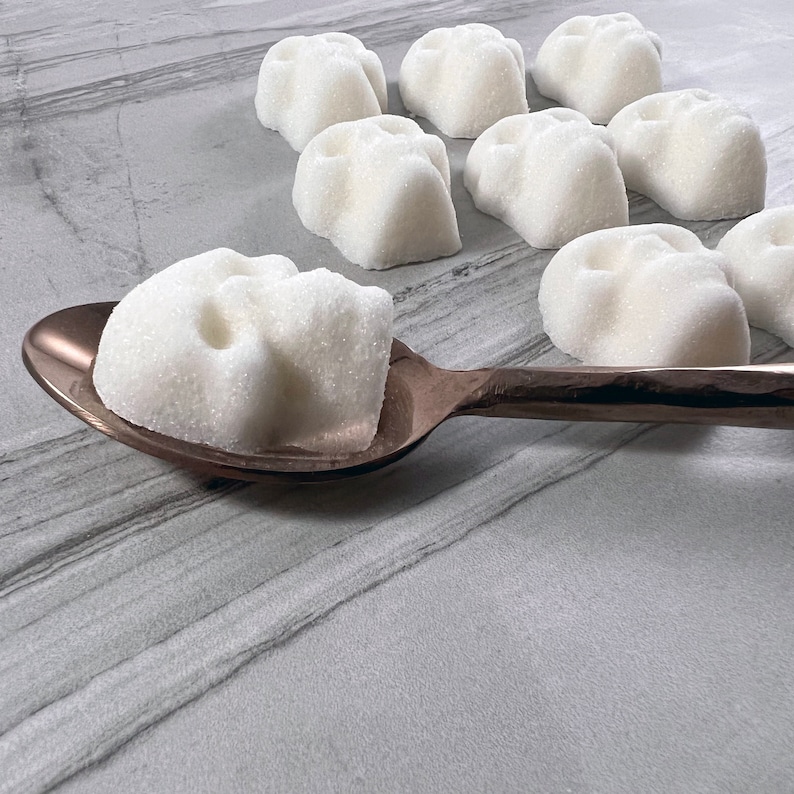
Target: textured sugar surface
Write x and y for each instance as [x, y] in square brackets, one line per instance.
[599, 64]
[308, 83]
[463, 79]
[649, 295]
[695, 154]
[550, 175]
[379, 189]
[760, 250]
[246, 354]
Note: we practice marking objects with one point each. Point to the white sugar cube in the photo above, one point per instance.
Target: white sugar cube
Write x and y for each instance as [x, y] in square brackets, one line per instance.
[760, 250]
[551, 175]
[379, 189]
[598, 65]
[308, 83]
[464, 79]
[248, 354]
[648, 295]
[695, 154]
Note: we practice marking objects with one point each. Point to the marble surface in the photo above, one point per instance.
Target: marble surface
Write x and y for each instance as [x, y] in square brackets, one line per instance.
[518, 606]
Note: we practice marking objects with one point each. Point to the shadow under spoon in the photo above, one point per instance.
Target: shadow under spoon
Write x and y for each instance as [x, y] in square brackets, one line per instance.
[60, 349]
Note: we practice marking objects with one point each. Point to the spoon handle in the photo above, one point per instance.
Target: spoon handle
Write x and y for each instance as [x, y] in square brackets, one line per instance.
[754, 396]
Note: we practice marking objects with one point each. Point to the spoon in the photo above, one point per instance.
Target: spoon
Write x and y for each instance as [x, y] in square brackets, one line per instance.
[59, 352]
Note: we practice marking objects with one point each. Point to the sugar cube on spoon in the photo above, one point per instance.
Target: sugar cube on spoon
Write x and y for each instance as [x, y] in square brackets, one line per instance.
[247, 354]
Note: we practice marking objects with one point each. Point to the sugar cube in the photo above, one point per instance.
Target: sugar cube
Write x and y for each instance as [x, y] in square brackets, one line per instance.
[247, 354]
[463, 79]
[599, 64]
[696, 155]
[308, 83]
[550, 175]
[649, 295]
[379, 189]
[760, 250]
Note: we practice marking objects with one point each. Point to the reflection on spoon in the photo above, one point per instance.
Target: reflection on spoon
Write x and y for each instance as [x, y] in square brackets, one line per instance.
[59, 352]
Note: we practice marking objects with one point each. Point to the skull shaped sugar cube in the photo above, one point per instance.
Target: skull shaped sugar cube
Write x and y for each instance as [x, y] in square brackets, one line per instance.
[248, 354]
[648, 295]
[598, 65]
[379, 189]
[550, 175]
[695, 154]
[464, 79]
[760, 250]
[308, 83]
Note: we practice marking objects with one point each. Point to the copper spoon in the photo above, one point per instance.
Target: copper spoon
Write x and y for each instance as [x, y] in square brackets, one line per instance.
[59, 352]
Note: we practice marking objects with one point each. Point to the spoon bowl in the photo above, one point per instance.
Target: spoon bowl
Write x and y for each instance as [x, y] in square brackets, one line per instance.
[59, 352]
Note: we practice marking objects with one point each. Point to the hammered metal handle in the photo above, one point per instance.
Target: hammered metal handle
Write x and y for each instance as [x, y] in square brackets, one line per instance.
[754, 396]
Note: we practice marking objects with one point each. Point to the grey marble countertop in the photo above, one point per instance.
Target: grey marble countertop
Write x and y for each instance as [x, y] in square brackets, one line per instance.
[518, 606]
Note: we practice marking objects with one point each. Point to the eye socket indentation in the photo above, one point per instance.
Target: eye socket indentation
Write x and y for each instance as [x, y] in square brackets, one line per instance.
[780, 236]
[213, 327]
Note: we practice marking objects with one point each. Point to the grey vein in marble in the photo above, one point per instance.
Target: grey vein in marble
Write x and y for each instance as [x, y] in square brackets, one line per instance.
[179, 667]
